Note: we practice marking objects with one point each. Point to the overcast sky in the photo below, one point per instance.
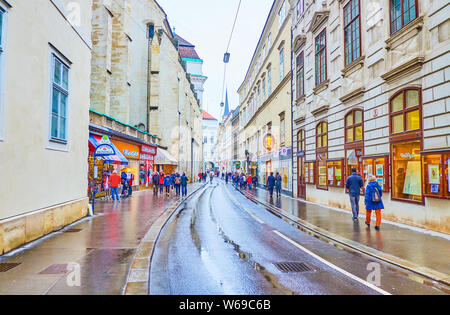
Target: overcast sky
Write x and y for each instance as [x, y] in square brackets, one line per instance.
[207, 24]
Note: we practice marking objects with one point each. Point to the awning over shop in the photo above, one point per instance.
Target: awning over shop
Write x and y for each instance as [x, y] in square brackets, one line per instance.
[165, 158]
[118, 158]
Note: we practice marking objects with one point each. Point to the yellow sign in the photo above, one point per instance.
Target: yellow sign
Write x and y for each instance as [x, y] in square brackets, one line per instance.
[269, 142]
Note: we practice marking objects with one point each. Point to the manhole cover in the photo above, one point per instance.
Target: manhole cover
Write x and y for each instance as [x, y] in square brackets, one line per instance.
[294, 267]
[6, 267]
[56, 269]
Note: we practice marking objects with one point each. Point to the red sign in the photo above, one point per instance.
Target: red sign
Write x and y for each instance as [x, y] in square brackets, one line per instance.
[148, 152]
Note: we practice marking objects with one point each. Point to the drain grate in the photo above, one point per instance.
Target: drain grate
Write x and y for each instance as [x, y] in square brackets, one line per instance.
[6, 267]
[294, 267]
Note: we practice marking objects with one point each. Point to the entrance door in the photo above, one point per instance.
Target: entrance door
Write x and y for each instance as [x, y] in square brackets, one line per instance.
[301, 184]
[268, 170]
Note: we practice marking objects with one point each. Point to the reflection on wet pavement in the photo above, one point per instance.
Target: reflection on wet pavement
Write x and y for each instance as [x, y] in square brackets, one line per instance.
[404, 243]
[103, 246]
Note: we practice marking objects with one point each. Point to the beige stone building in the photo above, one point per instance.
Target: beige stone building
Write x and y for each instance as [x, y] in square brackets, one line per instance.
[138, 78]
[265, 98]
[371, 92]
[44, 106]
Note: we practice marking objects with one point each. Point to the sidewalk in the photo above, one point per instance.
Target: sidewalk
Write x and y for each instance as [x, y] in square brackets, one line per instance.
[104, 247]
[417, 248]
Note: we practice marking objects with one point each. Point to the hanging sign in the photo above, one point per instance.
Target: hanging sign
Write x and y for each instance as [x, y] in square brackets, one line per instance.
[269, 141]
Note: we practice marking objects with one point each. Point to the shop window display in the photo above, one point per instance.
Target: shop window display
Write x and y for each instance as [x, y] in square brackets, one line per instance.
[436, 175]
[309, 173]
[335, 173]
[322, 171]
[378, 167]
[407, 173]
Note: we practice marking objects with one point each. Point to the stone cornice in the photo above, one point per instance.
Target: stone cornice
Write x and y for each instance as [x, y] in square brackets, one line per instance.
[320, 109]
[408, 67]
[321, 87]
[354, 66]
[353, 94]
[416, 24]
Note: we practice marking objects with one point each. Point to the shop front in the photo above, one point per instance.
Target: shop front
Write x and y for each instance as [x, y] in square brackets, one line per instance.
[146, 165]
[101, 169]
[132, 153]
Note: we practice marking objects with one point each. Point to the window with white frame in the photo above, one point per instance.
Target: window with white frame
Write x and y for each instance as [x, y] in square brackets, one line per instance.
[264, 89]
[2, 49]
[269, 81]
[282, 64]
[60, 96]
[300, 7]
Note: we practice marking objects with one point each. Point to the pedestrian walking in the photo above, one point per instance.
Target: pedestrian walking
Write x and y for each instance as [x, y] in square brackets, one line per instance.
[178, 184]
[271, 184]
[354, 184]
[161, 183]
[184, 183]
[249, 181]
[211, 177]
[255, 181]
[155, 182]
[114, 182]
[278, 183]
[373, 201]
[167, 184]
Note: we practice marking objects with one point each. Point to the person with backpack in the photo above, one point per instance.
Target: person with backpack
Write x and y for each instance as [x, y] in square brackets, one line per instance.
[354, 184]
[167, 184]
[177, 184]
[373, 201]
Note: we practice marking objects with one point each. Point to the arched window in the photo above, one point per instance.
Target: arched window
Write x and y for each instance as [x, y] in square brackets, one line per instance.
[406, 144]
[354, 126]
[406, 111]
[322, 135]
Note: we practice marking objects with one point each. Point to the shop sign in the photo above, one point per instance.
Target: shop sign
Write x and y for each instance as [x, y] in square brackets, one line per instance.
[148, 153]
[300, 154]
[284, 152]
[128, 150]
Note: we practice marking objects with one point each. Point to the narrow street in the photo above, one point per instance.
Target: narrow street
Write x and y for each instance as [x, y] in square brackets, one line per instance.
[221, 243]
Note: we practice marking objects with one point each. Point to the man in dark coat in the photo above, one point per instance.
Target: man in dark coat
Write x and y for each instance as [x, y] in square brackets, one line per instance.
[271, 184]
[354, 185]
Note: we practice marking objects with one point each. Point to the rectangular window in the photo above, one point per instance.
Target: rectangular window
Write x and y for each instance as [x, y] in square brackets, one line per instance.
[60, 95]
[281, 64]
[264, 89]
[436, 175]
[269, 81]
[269, 41]
[282, 15]
[300, 7]
[379, 168]
[309, 173]
[282, 129]
[322, 171]
[321, 59]
[402, 13]
[352, 32]
[406, 171]
[335, 174]
[300, 76]
[2, 49]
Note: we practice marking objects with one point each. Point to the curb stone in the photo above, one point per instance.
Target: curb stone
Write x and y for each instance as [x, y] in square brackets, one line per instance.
[138, 276]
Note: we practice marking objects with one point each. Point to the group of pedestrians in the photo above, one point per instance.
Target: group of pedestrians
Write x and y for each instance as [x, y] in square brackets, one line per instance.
[242, 181]
[115, 181]
[167, 183]
[372, 197]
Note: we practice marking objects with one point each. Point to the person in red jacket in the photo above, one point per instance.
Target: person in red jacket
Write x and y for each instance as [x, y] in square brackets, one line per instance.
[161, 182]
[114, 182]
[249, 181]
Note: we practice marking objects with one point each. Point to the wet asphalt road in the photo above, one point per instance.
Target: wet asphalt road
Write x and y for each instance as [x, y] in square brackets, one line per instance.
[221, 243]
